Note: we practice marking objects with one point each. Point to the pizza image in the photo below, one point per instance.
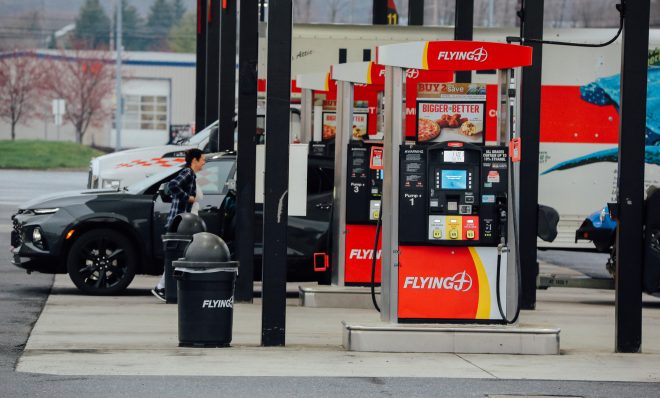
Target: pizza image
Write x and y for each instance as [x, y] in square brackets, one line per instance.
[329, 132]
[427, 130]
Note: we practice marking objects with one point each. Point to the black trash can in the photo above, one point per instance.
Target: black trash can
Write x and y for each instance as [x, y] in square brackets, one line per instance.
[206, 280]
[175, 240]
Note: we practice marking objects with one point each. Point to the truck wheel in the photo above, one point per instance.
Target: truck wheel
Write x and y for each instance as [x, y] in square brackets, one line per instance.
[102, 262]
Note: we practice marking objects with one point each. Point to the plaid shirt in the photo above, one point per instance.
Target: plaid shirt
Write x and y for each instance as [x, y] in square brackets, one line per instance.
[181, 187]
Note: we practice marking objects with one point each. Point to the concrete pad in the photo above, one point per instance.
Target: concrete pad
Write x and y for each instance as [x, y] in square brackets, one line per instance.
[135, 334]
[337, 297]
[381, 337]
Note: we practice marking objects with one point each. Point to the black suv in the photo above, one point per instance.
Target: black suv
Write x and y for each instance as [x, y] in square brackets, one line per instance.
[102, 238]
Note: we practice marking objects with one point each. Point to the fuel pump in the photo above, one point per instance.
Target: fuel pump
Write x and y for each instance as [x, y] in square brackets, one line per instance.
[449, 241]
[452, 229]
[360, 182]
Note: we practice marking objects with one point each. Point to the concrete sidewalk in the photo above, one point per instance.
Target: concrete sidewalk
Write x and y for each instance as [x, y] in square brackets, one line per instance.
[135, 334]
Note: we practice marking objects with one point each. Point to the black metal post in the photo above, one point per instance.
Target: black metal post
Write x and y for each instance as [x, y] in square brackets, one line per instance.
[379, 16]
[247, 127]
[212, 68]
[530, 121]
[278, 94]
[632, 127]
[416, 12]
[227, 74]
[463, 28]
[200, 68]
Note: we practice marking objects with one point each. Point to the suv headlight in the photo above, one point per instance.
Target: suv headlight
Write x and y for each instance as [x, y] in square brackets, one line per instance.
[50, 210]
[111, 184]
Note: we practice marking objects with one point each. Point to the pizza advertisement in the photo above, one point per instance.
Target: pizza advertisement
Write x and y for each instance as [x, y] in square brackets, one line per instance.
[451, 112]
[329, 126]
[360, 126]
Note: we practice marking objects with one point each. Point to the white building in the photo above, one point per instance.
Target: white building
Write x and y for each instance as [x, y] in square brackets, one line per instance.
[158, 91]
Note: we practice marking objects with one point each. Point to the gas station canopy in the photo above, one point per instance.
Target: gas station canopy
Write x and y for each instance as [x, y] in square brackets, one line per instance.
[314, 81]
[454, 55]
[359, 72]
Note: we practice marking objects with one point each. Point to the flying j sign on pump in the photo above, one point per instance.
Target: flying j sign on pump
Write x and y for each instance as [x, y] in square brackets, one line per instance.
[454, 55]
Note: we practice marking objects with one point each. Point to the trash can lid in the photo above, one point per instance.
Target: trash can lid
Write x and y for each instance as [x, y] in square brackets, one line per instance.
[187, 224]
[206, 251]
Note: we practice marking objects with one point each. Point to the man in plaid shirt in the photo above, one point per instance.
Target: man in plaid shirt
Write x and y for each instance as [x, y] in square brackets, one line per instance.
[183, 190]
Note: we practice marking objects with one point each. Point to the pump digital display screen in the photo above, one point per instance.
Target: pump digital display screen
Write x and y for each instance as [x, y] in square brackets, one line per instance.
[453, 179]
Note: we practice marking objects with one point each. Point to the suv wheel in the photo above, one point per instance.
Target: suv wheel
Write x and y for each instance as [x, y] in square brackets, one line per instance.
[102, 262]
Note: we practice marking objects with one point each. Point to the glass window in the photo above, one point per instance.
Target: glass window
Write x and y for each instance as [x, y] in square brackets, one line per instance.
[212, 178]
[145, 112]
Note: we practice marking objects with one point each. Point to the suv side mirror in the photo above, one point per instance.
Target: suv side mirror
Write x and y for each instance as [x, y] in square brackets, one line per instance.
[163, 196]
[548, 218]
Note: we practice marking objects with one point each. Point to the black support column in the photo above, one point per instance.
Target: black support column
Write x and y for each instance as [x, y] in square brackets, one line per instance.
[200, 68]
[629, 239]
[530, 121]
[278, 94]
[212, 67]
[227, 74]
[463, 27]
[379, 16]
[247, 127]
[416, 12]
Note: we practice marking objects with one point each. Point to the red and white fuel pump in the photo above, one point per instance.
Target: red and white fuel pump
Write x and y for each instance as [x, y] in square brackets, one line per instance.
[449, 225]
[358, 173]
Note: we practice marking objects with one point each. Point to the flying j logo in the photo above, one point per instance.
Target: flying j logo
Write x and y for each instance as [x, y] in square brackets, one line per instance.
[359, 254]
[363, 254]
[412, 73]
[477, 55]
[460, 282]
[441, 282]
[228, 303]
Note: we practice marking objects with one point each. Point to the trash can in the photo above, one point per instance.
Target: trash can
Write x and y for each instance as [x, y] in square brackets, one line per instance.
[175, 240]
[206, 280]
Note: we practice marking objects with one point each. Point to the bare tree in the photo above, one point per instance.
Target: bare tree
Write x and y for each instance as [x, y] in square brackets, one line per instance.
[22, 78]
[84, 80]
[335, 7]
[302, 10]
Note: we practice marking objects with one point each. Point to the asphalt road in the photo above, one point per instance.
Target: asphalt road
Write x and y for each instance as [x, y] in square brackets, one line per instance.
[22, 297]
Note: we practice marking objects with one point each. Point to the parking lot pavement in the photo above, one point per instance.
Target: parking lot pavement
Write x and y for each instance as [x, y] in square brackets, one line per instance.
[135, 335]
[22, 296]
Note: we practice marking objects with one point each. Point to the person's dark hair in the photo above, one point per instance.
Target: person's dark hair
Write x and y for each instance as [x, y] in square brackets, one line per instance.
[193, 153]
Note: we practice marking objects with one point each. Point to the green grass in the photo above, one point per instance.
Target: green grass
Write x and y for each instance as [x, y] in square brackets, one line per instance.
[43, 155]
